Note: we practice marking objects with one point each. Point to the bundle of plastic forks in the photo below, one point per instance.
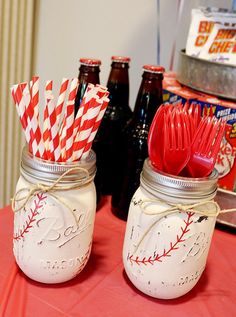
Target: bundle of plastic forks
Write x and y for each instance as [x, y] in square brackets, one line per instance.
[181, 142]
[205, 147]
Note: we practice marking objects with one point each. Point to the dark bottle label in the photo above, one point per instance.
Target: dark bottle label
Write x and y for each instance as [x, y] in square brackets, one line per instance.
[108, 144]
[119, 98]
[136, 151]
[148, 100]
[109, 148]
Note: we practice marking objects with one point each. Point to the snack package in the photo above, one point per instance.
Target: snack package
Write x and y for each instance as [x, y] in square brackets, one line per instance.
[221, 45]
[221, 109]
[202, 24]
[170, 80]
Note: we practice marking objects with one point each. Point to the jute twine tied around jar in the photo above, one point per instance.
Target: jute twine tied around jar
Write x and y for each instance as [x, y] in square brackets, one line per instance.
[51, 189]
[207, 208]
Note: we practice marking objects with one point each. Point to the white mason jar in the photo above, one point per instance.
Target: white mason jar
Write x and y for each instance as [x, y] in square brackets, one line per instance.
[54, 211]
[168, 234]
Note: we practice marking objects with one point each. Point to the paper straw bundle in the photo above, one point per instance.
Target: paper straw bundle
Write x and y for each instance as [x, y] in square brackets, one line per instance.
[63, 137]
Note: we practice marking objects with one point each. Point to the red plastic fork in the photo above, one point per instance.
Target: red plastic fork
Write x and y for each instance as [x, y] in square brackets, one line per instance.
[176, 142]
[194, 113]
[205, 147]
[155, 137]
[208, 111]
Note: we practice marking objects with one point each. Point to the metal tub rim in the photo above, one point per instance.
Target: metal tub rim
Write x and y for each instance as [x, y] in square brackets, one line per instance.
[209, 77]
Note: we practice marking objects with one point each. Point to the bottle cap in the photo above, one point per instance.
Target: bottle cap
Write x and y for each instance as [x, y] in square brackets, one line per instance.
[120, 59]
[90, 61]
[154, 69]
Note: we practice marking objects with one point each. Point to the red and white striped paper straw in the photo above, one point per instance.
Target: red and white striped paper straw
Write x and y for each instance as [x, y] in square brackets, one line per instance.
[46, 123]
[35, 96]
[96, 125]
[34, 128]
[68, 123]
[20, 107]
[102, 91]
[82, 138]
[54, 141]
[83, 108]
[61, 98]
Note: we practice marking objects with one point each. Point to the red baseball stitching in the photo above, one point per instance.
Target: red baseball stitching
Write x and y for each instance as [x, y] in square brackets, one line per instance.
[31, 217]
[165, 253]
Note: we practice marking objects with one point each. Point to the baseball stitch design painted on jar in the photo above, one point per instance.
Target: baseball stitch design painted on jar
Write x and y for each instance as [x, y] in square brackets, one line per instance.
[168, 234]
[54, 206]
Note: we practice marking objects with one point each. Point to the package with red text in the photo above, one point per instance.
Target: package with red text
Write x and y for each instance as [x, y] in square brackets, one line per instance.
[221, 45]
[226, 160]
[202, 25]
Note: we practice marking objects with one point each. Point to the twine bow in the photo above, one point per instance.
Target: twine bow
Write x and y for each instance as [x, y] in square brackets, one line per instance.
[209, 212]
[208, 208]
[50, 189]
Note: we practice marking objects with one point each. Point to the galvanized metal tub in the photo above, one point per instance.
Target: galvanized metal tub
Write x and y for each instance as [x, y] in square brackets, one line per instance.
[209, 77]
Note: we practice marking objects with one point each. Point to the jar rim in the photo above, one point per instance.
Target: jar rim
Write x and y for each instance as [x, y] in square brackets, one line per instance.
[82, 171]
[178, 186]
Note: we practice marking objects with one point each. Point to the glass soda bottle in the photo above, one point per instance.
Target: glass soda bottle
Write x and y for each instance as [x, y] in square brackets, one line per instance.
[135, 136]
[88, 73]
[108, 143]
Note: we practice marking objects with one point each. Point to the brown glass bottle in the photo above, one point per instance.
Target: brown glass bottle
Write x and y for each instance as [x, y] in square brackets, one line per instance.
[108, 144]
[88, 73]
[135, 137]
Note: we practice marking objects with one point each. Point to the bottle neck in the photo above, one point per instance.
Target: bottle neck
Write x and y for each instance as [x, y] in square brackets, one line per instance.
[149, 98]
[89, 74]
[118, 84]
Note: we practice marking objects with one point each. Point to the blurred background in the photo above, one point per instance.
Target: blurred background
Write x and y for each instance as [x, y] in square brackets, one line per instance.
[47, 38]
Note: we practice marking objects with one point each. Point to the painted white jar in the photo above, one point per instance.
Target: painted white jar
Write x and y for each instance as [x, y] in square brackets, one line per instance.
[54, 212]
[168, 234]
